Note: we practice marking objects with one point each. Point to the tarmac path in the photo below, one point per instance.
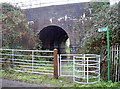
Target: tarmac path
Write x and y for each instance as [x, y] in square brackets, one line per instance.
[11, 83]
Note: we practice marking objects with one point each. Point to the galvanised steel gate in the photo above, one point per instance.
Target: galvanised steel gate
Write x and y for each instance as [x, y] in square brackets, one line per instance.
[31, 61]
[84, 68]
[66, 64]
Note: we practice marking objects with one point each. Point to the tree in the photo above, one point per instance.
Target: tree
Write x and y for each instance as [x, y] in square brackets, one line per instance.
[95, 42]
[15, 29]
[102, 15]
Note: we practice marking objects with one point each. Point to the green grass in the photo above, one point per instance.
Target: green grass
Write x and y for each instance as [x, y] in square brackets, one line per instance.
[36, 79]
[50, 81]
[101, 84]
[67, 50]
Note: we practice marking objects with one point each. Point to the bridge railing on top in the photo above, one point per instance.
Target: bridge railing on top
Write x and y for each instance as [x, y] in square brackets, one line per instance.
[38, 3]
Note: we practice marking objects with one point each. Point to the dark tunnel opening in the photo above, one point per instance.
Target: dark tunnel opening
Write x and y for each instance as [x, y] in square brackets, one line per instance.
[53, 37]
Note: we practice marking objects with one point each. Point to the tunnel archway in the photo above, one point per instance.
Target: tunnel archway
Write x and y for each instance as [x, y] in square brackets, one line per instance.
[53, 37]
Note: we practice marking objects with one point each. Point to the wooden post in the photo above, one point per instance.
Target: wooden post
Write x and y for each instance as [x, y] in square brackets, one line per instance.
[55, 64]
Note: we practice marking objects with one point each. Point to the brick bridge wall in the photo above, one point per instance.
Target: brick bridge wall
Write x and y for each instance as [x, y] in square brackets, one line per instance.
[59, 15]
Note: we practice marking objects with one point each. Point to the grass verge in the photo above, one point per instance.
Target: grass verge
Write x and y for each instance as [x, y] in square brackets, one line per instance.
[49, 81]
[45, 80]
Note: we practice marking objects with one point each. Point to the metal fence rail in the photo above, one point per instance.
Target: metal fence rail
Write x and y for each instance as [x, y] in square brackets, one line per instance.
[115, 61]
[31, 61]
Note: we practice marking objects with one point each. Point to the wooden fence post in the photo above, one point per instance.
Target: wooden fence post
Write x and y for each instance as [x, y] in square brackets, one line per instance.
[55, 64]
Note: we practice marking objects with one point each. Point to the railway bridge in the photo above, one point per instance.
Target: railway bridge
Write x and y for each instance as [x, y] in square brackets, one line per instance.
[54, 25]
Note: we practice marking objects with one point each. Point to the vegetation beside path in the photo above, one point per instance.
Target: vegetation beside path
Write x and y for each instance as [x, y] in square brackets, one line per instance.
[49, 81]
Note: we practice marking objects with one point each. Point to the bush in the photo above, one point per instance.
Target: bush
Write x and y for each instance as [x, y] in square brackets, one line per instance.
[15, 30]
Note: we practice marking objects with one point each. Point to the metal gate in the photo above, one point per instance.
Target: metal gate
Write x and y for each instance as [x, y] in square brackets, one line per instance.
[66, 64]
[84, 68]
[30, 61]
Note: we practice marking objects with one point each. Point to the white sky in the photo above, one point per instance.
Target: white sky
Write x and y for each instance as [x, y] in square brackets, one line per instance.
[40, 3]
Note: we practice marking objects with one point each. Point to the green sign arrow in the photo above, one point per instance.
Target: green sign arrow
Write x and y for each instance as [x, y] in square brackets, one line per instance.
[103, 29]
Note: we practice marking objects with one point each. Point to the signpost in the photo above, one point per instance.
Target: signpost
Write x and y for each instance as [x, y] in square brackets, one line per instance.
[108, 47]
[103, 29]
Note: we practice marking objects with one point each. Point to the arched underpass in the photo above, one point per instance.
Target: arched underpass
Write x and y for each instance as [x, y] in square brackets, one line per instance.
[53, 37]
